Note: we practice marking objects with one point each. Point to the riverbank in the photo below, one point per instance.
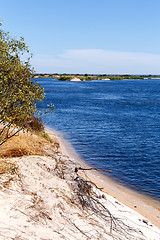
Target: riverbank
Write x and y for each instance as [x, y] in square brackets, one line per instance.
[44, 197]
[143, 204]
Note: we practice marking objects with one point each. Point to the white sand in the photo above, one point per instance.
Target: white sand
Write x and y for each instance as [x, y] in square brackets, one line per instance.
[146, 206]
[38, 203]
[75, 79]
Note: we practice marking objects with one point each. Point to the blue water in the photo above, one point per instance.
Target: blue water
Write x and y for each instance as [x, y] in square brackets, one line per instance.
[112, 125]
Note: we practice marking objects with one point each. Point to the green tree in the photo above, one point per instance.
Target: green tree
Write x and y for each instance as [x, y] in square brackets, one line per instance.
[18, 94]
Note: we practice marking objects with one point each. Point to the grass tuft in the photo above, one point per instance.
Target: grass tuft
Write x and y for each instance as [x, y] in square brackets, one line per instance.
[7, 167]
[24, 144]
[47, 137]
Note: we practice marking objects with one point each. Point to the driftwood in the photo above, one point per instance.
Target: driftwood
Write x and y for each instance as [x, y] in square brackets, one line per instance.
[86, 169]
[85, 197]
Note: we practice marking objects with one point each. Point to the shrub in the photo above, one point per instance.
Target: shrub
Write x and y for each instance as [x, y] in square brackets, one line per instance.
[18, 93]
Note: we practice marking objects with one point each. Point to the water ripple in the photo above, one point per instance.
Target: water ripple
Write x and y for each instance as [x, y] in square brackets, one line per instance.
[112, 125]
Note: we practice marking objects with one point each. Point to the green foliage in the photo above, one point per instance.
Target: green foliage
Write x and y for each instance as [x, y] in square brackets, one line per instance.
[47, 137]
[115, 77]
[86, 78]
[65, 78]
[119, 77]
[18, 94]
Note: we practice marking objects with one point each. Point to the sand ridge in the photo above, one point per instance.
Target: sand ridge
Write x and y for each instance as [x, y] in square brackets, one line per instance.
[39, 201]
[141, 203]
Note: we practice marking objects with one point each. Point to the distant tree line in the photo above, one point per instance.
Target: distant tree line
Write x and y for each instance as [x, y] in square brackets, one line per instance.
[89, 77]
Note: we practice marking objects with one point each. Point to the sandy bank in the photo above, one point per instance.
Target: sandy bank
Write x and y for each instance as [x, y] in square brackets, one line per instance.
[75, 79]
[45, 198]
[142, 204]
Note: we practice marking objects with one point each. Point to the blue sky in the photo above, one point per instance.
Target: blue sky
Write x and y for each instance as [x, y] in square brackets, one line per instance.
[87, 36]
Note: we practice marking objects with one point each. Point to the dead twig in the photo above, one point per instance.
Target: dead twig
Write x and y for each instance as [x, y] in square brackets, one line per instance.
[87, 169]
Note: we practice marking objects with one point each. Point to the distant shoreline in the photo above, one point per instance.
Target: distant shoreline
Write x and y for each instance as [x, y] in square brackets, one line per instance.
[90, 77]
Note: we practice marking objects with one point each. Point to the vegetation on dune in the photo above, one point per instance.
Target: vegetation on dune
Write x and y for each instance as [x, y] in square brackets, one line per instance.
[26, 144]
[65, 78]
[18, 94]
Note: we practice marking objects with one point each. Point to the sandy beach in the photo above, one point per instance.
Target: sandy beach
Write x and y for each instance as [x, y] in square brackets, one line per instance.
[47, 198]
[143, 204]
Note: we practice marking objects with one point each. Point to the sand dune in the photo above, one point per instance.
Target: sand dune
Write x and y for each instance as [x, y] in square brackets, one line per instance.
[46, 199]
